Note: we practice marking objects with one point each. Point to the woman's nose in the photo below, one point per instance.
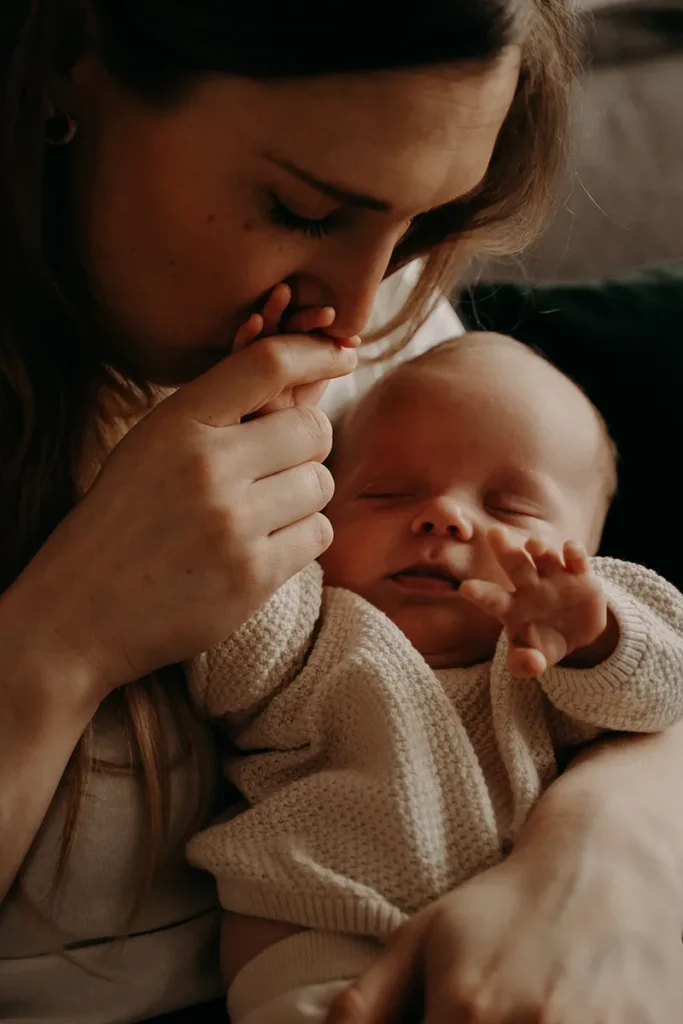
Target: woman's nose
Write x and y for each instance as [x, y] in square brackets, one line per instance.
[348, 281]
[445, 520]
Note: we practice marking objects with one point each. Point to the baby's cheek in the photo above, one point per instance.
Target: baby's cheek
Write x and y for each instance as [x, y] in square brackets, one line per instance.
[338, 561]
[351, 559]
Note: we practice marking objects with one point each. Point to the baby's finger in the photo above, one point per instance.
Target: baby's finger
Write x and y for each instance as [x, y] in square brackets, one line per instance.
[313, 318]
[515, 562]
[248, 332]
[547, 560]
[274, 308]
[355, 341]
[576, 558]
[490, 598]
[525, 662]
[549, 642]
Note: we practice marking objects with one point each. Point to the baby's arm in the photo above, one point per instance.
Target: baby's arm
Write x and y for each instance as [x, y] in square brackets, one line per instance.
[235, 679]
[295, 980]
[639, 686]
[566, 615]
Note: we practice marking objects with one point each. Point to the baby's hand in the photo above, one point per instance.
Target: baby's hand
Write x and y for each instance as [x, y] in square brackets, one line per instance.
[557, 607]
[306, 321]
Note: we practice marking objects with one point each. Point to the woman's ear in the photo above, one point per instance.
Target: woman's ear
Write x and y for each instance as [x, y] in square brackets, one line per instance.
[71, 93]
[74, 63]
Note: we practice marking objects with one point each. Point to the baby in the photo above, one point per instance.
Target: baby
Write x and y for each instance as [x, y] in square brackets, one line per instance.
[401, 720]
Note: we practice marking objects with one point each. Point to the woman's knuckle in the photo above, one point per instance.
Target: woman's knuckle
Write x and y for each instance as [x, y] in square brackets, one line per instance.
[274, 362]
[322, 484]
[221, 526]
[316, 425]
[322, 533]
[199, 472]
[469, 1004]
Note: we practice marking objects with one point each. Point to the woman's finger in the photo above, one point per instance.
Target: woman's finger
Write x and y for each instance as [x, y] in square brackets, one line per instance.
[274, 443]
[291, 495]
[244, 382]
[294, 547]
[388, 992]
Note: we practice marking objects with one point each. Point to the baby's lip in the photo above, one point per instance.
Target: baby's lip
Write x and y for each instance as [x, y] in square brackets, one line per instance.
[427, 576]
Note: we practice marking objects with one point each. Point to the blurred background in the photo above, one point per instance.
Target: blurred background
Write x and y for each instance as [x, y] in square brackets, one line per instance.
[622, 206]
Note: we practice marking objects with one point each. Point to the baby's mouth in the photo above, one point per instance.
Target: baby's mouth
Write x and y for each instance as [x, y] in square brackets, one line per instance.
[427, 578]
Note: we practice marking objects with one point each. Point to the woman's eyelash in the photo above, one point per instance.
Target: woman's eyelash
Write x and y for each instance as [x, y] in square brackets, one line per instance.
[307, 226]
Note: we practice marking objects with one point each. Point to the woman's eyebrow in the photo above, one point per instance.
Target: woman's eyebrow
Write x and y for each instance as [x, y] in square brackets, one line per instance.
[340, 195]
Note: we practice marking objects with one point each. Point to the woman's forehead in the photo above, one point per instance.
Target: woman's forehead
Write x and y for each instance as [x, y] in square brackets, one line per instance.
[414, 139]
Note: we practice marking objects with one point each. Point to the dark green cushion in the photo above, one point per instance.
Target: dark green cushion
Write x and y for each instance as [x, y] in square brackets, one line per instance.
[622, 341]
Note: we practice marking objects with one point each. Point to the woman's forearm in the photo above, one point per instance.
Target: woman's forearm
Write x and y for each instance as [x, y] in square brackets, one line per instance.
[45, 706]
[629, 788]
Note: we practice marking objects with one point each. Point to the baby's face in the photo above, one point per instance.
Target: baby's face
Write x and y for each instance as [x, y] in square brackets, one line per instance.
[432, 460]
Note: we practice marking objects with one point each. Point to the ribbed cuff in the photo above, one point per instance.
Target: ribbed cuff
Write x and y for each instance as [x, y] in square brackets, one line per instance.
[311, 958]
[348, 915]
[597, 694]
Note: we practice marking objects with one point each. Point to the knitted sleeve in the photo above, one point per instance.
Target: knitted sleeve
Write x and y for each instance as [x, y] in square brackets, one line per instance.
[366, 798]
[640, 687]
[265, 654]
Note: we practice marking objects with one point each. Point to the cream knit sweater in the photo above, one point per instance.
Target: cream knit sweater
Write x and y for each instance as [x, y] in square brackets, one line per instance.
[376, 784]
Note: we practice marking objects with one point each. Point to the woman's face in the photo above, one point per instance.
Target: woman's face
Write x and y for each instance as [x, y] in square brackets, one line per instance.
[188, 216]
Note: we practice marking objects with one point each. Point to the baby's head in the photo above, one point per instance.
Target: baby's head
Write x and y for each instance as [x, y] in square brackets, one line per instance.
[477, 432]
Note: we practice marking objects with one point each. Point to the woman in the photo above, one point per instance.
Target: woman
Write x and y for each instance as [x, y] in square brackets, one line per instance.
[165, 165]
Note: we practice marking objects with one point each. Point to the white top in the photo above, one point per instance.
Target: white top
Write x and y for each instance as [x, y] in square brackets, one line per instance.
[440, 326]
[171, 960]
[377, 784]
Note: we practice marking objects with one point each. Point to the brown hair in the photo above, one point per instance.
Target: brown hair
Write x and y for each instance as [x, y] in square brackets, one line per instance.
[51, 376]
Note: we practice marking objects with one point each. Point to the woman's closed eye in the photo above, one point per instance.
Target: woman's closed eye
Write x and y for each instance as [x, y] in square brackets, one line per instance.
[310, 227]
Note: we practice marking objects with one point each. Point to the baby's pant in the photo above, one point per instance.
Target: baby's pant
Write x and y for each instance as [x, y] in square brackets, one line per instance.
[297, 979]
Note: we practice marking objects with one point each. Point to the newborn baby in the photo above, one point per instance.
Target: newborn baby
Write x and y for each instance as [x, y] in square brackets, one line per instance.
[400, 721]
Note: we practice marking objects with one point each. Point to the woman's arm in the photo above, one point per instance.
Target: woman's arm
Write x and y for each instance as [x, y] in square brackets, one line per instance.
[581, 924]
[46, 701]
[196, 519]
[634, 781]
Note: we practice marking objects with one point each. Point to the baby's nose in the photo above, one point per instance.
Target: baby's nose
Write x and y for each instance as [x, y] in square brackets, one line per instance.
[443, 521]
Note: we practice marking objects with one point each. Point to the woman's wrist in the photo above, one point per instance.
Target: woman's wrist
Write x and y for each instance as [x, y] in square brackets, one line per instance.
[48, 695]
[41, 672]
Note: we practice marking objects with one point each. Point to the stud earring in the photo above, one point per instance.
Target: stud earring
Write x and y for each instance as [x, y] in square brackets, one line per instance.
[60, 129]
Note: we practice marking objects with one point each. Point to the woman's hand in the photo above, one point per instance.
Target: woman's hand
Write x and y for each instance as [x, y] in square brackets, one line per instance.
[195, 520]
[579, 926]
[272, 320]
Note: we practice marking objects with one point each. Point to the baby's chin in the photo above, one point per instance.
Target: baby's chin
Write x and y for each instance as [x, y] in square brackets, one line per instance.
[450, 637]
